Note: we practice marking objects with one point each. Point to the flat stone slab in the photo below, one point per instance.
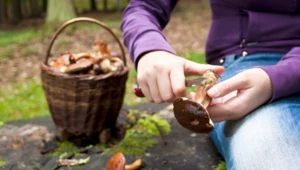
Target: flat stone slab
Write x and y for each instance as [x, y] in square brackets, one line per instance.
[181, 149]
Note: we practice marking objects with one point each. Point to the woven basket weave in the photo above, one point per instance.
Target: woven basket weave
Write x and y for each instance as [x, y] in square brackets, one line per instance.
[84, 104]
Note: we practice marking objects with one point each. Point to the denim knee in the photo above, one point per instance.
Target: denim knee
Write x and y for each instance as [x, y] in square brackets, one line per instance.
[268, 138]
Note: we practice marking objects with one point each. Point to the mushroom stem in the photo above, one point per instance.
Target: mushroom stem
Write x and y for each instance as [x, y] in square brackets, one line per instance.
[135, 165]
[201, 92]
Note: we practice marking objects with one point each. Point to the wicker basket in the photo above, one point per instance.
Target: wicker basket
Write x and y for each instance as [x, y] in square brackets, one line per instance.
[84, 104]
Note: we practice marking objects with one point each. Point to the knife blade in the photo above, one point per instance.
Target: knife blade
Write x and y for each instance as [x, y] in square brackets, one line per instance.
[199, 81]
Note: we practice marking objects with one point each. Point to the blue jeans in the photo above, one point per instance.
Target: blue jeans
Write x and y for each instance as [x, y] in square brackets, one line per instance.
[269, 137]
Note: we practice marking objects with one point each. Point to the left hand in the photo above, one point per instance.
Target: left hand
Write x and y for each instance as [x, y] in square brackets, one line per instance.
[253, 88]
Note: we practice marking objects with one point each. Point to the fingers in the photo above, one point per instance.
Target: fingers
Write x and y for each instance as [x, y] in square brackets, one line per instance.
[145, 88]
[164, 86]
[149, 85]
[237, 82]
[192, 68]
[177, 79]
[231, 109]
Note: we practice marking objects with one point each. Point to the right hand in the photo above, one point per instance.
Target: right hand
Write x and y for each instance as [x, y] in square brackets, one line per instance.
[161, 75]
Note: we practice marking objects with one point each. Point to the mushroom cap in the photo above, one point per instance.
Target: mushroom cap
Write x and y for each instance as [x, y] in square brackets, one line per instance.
[192, 115]
[116, 162]
[81, 65]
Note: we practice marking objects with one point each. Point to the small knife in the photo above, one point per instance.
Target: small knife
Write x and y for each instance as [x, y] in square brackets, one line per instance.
[199, 81]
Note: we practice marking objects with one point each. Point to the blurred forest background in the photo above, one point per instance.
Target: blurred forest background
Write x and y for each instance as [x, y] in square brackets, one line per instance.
[15, 11]
[26, 27]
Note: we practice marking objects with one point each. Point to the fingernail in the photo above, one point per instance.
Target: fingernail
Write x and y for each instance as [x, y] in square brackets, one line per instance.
[213, 92]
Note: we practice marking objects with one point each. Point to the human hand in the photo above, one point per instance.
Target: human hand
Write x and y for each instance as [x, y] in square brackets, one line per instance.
[253, 88]
[161, 75]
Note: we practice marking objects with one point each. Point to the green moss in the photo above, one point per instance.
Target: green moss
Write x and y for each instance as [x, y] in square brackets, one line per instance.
[221, 166]
[65, 147]
[2, 162]
[142, 133]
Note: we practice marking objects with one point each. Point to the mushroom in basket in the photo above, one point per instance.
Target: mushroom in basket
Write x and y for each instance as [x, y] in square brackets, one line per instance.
[99, 62]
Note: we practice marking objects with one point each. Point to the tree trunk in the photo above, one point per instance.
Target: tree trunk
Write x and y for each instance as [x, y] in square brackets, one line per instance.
[16, 11]
[34, 8]
[119, 5]
[93, 5]
[105, 5]
[44, 5]
[2, 11]
[59, 11]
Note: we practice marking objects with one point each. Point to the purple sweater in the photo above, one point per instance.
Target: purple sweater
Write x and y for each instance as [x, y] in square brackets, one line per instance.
[253, 26]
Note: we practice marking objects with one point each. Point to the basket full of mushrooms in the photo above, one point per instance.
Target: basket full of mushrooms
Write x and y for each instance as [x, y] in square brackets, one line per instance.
[85, 91]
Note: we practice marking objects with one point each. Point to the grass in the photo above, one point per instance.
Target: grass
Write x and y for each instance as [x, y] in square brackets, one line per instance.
[194, 56]
[20, 37]
[6, 54]
[22, 101]
[28, 51]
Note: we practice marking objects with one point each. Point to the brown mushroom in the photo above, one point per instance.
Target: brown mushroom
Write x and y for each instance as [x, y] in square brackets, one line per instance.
[105, 65]
[82, 55]
[58, 62]
[102, 48]
[118, 162]
[193, 115]
[80, 65]
[117, 63]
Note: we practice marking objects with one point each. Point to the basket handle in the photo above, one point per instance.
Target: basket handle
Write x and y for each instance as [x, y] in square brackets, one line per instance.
[84, 19]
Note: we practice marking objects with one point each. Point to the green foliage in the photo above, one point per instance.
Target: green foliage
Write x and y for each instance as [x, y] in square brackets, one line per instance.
[81, 6]
[111, 5]
[22, 101]
[142, 133]
[221, 166]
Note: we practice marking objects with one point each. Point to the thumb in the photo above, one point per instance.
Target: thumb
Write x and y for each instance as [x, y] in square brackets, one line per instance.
[221, 89]
[192, 68]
